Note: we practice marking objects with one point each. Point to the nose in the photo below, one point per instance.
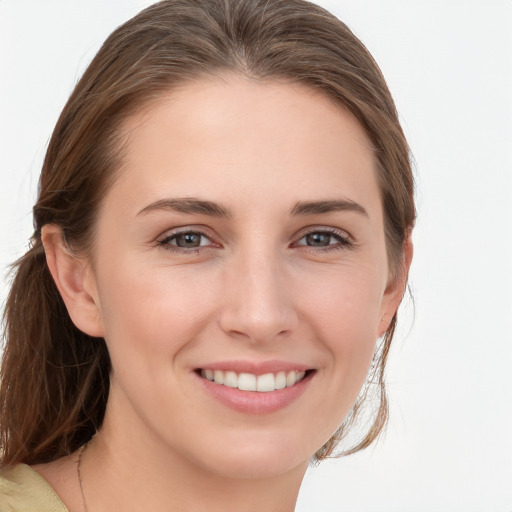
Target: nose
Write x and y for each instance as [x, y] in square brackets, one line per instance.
[258, 303]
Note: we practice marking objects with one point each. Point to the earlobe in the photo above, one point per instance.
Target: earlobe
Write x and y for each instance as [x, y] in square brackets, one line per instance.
[396, 289]
[384, 324]
[74, 280]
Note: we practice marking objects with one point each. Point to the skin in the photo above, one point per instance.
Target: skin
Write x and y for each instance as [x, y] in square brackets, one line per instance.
[255, 290]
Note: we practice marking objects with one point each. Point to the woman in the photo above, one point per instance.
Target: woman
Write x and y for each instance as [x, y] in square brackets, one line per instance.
[222, 236]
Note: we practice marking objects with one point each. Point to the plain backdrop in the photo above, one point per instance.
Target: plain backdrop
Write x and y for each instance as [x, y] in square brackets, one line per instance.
[448, 447]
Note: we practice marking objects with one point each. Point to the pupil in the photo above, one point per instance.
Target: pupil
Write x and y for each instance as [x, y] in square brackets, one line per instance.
[188, 240]
[318, 239]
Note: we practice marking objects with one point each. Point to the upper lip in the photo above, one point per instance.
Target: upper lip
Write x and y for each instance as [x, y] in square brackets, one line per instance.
[255, 367]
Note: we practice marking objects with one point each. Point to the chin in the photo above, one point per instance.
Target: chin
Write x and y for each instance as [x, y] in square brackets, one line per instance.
[257, 458]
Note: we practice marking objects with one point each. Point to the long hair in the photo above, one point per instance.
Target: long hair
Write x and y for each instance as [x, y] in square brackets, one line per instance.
[54, 378]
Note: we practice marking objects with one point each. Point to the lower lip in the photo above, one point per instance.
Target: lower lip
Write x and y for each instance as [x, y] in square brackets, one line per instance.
[255, 402]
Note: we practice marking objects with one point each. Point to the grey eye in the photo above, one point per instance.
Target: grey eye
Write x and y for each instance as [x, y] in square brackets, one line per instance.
[318, 239]
[187, 240]
[324, 239]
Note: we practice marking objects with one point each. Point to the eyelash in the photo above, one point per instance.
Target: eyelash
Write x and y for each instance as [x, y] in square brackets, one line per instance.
[343, 241]
[165, 242]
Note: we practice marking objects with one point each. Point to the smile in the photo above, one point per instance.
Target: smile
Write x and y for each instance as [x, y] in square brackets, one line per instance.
[252, 387]
[250, 382]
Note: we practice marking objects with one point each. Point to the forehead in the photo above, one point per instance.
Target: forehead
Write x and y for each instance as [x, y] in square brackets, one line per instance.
[234, 138]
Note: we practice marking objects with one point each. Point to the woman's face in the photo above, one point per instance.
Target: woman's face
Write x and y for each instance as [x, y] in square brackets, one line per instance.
[243, 239]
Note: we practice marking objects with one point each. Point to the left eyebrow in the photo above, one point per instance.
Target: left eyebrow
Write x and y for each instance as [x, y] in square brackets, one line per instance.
[327, 206]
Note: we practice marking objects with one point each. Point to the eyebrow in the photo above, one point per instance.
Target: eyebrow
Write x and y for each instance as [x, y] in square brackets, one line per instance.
[188, 205]
[327, 206]
[192, 205]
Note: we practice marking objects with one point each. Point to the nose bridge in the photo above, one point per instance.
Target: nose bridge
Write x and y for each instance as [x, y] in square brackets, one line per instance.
[258, 305]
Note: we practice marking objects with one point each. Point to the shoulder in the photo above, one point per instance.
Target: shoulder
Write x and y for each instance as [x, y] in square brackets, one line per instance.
[22, 489]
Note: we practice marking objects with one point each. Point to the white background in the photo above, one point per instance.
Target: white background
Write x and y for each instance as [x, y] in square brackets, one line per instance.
[448, 63]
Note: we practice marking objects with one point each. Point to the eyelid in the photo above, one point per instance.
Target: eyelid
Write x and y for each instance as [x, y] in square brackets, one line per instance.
[345, 239]
[164, 239]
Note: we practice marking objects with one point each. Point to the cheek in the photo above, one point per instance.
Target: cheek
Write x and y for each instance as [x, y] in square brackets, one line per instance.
[345, 303]
[152, 311]
[345, 315]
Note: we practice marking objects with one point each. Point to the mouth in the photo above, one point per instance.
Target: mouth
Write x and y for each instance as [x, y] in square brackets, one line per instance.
[264, 383]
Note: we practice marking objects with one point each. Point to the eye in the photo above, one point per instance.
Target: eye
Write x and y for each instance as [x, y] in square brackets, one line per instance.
[324, 239]
[188, 240]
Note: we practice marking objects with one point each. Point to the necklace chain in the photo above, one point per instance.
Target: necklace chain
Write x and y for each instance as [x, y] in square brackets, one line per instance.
[78, 468]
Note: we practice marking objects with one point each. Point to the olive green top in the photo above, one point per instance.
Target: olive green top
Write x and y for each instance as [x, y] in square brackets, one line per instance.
[22, 489]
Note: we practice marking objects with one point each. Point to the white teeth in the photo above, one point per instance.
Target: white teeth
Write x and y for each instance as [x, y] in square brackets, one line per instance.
[291, 379]
[280, 380]
[231, 379]
[250, 382]
[247, 382]
[266, 382]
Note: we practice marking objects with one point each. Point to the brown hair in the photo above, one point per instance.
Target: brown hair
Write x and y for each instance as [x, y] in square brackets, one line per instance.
[54, 378]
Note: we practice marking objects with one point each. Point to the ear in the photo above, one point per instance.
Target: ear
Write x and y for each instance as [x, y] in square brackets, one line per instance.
[75, 281]
[395, 288]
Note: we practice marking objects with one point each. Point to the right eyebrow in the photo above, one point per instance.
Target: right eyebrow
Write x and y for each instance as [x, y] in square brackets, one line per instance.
[190, 205]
